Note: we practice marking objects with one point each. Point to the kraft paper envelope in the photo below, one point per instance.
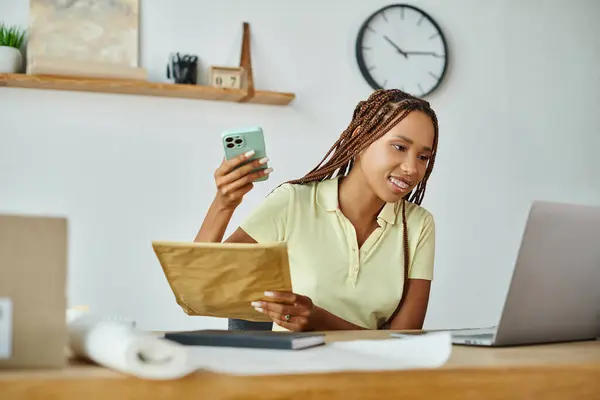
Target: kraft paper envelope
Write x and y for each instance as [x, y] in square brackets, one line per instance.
[222, 279]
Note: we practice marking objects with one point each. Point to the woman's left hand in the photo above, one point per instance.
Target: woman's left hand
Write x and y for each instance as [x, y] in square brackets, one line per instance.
[291, 311]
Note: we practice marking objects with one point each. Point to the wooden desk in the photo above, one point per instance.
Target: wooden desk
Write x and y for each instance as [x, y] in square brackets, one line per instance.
[556, 371]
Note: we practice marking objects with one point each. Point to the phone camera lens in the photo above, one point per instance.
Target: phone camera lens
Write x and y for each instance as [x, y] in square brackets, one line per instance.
[238, 141]
[230, 145]
[228, 140]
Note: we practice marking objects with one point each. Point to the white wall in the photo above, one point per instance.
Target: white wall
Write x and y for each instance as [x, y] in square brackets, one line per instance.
[518, 120]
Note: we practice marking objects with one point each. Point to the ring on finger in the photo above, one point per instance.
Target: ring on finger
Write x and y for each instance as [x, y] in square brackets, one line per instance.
[287, 317]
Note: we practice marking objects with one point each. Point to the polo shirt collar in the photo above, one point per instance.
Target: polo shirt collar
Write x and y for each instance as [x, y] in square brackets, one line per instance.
[327, 197]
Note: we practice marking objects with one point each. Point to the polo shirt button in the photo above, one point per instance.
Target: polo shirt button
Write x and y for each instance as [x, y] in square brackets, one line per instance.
[356, 267]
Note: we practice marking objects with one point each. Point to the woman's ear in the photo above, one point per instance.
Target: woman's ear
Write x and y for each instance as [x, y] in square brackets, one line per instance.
[358, 156]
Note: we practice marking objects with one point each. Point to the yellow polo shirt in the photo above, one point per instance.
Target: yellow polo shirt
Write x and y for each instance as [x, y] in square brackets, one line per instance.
[362, 286]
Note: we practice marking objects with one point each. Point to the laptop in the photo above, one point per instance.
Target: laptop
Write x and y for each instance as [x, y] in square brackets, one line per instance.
[554, 293]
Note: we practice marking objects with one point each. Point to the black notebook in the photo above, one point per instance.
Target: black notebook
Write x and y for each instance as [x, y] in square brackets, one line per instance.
[254, 339]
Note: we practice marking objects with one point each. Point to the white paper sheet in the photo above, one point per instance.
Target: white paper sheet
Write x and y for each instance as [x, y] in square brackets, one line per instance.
[119, 346]
[424, 351]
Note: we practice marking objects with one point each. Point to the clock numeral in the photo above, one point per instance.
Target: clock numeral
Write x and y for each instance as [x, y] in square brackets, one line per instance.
[434, 35]
[420, 88]
[371, 29]
[384, 17]
[371, 68]
[434, 76]
[420, 20]
[402, 13]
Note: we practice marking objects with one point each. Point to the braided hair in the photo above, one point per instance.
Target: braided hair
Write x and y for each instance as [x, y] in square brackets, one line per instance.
[372, 119]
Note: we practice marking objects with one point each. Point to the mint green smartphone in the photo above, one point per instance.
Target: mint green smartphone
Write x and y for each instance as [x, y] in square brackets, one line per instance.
[238, 141]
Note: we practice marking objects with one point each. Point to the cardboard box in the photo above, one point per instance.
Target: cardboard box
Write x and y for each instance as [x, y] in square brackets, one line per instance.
[33, 299]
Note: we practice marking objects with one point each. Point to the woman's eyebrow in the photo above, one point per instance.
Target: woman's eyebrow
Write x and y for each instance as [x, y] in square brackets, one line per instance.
[410, 141]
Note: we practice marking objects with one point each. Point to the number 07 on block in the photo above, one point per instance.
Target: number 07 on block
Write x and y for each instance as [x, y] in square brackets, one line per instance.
[226, 77]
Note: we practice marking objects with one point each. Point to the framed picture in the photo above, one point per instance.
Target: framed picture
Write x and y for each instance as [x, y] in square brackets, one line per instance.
[85, 30]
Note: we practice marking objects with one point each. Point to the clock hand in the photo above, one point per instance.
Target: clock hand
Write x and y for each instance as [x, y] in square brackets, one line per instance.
[395, 46]
[423, 53]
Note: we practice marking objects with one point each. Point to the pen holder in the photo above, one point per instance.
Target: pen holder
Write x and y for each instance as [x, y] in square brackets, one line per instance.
[183, 69]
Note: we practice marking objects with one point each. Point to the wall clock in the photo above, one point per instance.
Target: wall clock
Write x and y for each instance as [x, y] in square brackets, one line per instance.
[402, 47]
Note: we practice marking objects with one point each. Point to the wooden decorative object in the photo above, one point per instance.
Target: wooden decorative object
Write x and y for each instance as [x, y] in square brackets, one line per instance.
[226, 77]
[246, 63]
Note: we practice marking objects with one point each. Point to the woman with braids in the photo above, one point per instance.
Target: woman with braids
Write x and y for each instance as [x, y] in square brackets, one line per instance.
[360, 246]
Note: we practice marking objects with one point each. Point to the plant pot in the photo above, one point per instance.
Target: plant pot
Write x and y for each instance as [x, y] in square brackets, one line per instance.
[11, 60]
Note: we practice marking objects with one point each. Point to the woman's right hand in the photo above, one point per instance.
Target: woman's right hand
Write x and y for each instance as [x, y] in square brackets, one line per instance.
[233, 184]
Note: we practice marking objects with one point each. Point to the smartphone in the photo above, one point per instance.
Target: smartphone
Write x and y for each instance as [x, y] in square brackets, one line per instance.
[238, 141]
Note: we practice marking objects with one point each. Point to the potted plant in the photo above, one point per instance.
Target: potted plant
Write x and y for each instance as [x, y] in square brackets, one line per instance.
[11, 40]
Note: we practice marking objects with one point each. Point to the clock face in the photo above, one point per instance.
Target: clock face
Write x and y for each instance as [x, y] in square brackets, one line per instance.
[401, 47]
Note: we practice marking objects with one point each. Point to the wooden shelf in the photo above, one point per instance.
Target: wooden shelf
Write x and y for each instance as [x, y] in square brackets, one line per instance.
[144, 88]
[134, 87]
